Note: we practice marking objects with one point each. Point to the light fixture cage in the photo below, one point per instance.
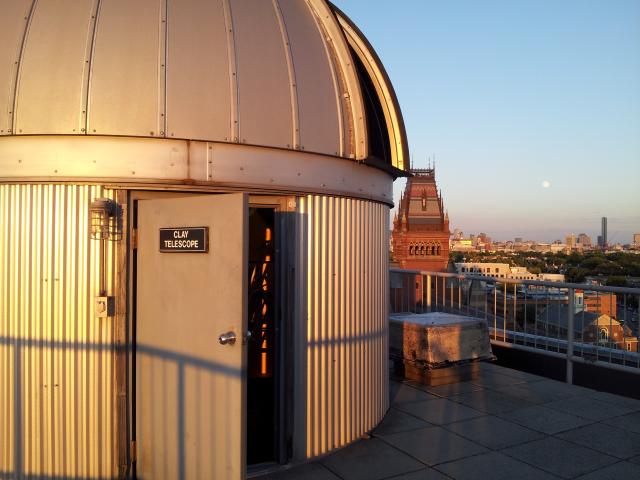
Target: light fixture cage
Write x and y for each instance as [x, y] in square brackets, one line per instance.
[105, 220]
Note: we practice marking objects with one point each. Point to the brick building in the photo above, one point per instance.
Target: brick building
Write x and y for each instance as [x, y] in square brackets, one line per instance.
[589, 327]
[420, 237]
[604, 304]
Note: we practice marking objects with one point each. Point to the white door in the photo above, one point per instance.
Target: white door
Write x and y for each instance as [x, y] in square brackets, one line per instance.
[190, 388]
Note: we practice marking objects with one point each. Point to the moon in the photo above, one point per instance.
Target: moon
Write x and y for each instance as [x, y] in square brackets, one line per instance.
[546, 184]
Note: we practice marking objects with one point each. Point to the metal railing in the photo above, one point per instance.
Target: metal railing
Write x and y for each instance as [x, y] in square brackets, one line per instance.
[577, 322]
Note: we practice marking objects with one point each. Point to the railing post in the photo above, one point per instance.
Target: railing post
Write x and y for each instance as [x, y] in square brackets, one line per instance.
[451, 296]
[444, 294]
[428, 292]
[495, 311]
[570, 332]
[504, 313]
[408, 290]
[436, 292]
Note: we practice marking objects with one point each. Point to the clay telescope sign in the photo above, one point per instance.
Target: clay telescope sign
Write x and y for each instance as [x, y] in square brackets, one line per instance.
[184, 240]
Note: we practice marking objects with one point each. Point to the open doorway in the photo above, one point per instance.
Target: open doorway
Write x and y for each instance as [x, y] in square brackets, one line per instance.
[262, 352]
[200, 307]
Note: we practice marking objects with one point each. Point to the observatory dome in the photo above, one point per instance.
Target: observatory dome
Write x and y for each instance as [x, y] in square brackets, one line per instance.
[267, 135]
[286, 74]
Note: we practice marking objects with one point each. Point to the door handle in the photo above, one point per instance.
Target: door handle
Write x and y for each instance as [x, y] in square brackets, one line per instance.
[228, 338]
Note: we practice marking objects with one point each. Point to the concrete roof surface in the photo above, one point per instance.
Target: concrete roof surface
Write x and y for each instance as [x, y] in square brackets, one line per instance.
[505, 424]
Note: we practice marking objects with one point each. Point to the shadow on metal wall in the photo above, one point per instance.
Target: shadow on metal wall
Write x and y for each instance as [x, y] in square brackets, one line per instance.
[179, 362]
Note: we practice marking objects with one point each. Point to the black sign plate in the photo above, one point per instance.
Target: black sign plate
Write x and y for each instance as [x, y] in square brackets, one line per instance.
[184, 240]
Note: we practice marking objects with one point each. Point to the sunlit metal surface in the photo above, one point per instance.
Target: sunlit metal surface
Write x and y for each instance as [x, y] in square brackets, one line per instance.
[179, 162]
[194, 96]
[384, 90]
[272, 73]
[341, 384]
[57, 387]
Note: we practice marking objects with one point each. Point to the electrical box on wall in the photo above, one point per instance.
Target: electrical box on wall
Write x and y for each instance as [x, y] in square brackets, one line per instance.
[105, 307]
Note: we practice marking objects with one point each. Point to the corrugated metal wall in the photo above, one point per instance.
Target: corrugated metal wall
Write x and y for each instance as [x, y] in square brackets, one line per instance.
[342, 372]
[57, 389]
[57, 360]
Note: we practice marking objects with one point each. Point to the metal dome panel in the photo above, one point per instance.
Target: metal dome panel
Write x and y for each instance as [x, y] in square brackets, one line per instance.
[13, 23]
[384, 91]
[199, 87]
[58, 43]
[276, 73]
[126, 93]
[264, 85]
[319, 116]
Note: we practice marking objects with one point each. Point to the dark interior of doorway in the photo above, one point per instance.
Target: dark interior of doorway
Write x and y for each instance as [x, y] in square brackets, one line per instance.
[262, 369]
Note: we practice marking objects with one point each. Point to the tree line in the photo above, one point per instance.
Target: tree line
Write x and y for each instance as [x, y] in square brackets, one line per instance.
[614, 268]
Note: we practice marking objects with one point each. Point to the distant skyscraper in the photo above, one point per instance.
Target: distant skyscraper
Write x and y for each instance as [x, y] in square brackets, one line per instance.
[518, 239]
[584, 240]
[570, 240]
[636, 238]
[603, 235]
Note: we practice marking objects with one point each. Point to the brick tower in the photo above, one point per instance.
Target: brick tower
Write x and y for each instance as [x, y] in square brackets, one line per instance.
[420, 236]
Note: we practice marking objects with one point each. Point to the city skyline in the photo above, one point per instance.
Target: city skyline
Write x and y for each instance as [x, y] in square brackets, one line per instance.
[531, 109]
[614, 236]
[533, 236]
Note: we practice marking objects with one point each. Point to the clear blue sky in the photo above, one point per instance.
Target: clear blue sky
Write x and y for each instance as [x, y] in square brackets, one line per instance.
[509, 94]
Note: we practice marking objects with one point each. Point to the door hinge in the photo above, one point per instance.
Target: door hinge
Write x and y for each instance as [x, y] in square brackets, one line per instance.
[134, 451]
[134, 238]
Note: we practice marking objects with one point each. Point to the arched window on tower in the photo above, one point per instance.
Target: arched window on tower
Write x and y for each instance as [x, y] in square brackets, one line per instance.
[603, 335]
[424, 200]
[411, 249]
[433, 249]
[438, 250]
[422, 249]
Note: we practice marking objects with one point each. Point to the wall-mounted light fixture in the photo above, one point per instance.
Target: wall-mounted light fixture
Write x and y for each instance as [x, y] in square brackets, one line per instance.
[105, 220]
[105, 223]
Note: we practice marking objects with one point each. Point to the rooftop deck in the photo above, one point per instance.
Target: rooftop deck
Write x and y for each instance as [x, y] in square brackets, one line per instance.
[505, 425]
